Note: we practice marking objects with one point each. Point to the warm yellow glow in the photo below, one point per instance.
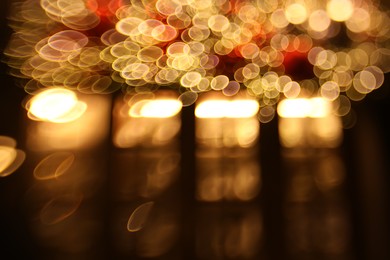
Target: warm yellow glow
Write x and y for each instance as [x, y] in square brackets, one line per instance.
[168, 7]
[330, 90]
[72, 13]
[7, 156]
[211, 109]
[7, 141]
[189, 44]
[226, 108]
[85, 132]
[57, 105]
[278, 19]
[308, 123]
[302, 107]
[10, 158]
[218, 23]
[242, 109]
[296, 13]
[227, 122]
[294, 108]
[159, 108]
[148, 120]
[340, 10]
[359, 21]
[240, 181]
[319, 20]
[320, 107]
[219, 82]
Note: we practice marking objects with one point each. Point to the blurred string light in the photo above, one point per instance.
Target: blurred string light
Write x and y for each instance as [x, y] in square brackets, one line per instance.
[335, 49]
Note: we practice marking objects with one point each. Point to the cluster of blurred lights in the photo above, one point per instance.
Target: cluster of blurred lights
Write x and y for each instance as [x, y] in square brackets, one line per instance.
[335, 49]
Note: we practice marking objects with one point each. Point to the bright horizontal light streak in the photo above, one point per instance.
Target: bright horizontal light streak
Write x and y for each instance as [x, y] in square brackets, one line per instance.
[303, 107]
[76, 112]
[228, 109]
[242, 109]
[56, 105]
[162, 108]
[211, 109]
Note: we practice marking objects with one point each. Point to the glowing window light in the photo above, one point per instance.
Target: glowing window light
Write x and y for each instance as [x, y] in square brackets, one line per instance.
[228, 109]
[57, 105]
[80, 128]
[303, 107]
[242, 109]
[162, 108]
[211, 109]
[308, 123]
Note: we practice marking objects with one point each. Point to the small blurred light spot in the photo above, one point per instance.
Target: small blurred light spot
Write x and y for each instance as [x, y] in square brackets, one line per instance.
[319, 21]
[60, 208]
[340, 10]
[168, 7]
[296, 13]
[139, 217]
[266, 114]
[219, 82]
[53, 165]
[188, 98]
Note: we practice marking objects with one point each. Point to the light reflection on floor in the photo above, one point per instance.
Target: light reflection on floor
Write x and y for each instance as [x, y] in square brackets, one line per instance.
[104, 201]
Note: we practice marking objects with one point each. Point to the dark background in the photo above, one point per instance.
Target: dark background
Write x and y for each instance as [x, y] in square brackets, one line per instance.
[365, 152]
